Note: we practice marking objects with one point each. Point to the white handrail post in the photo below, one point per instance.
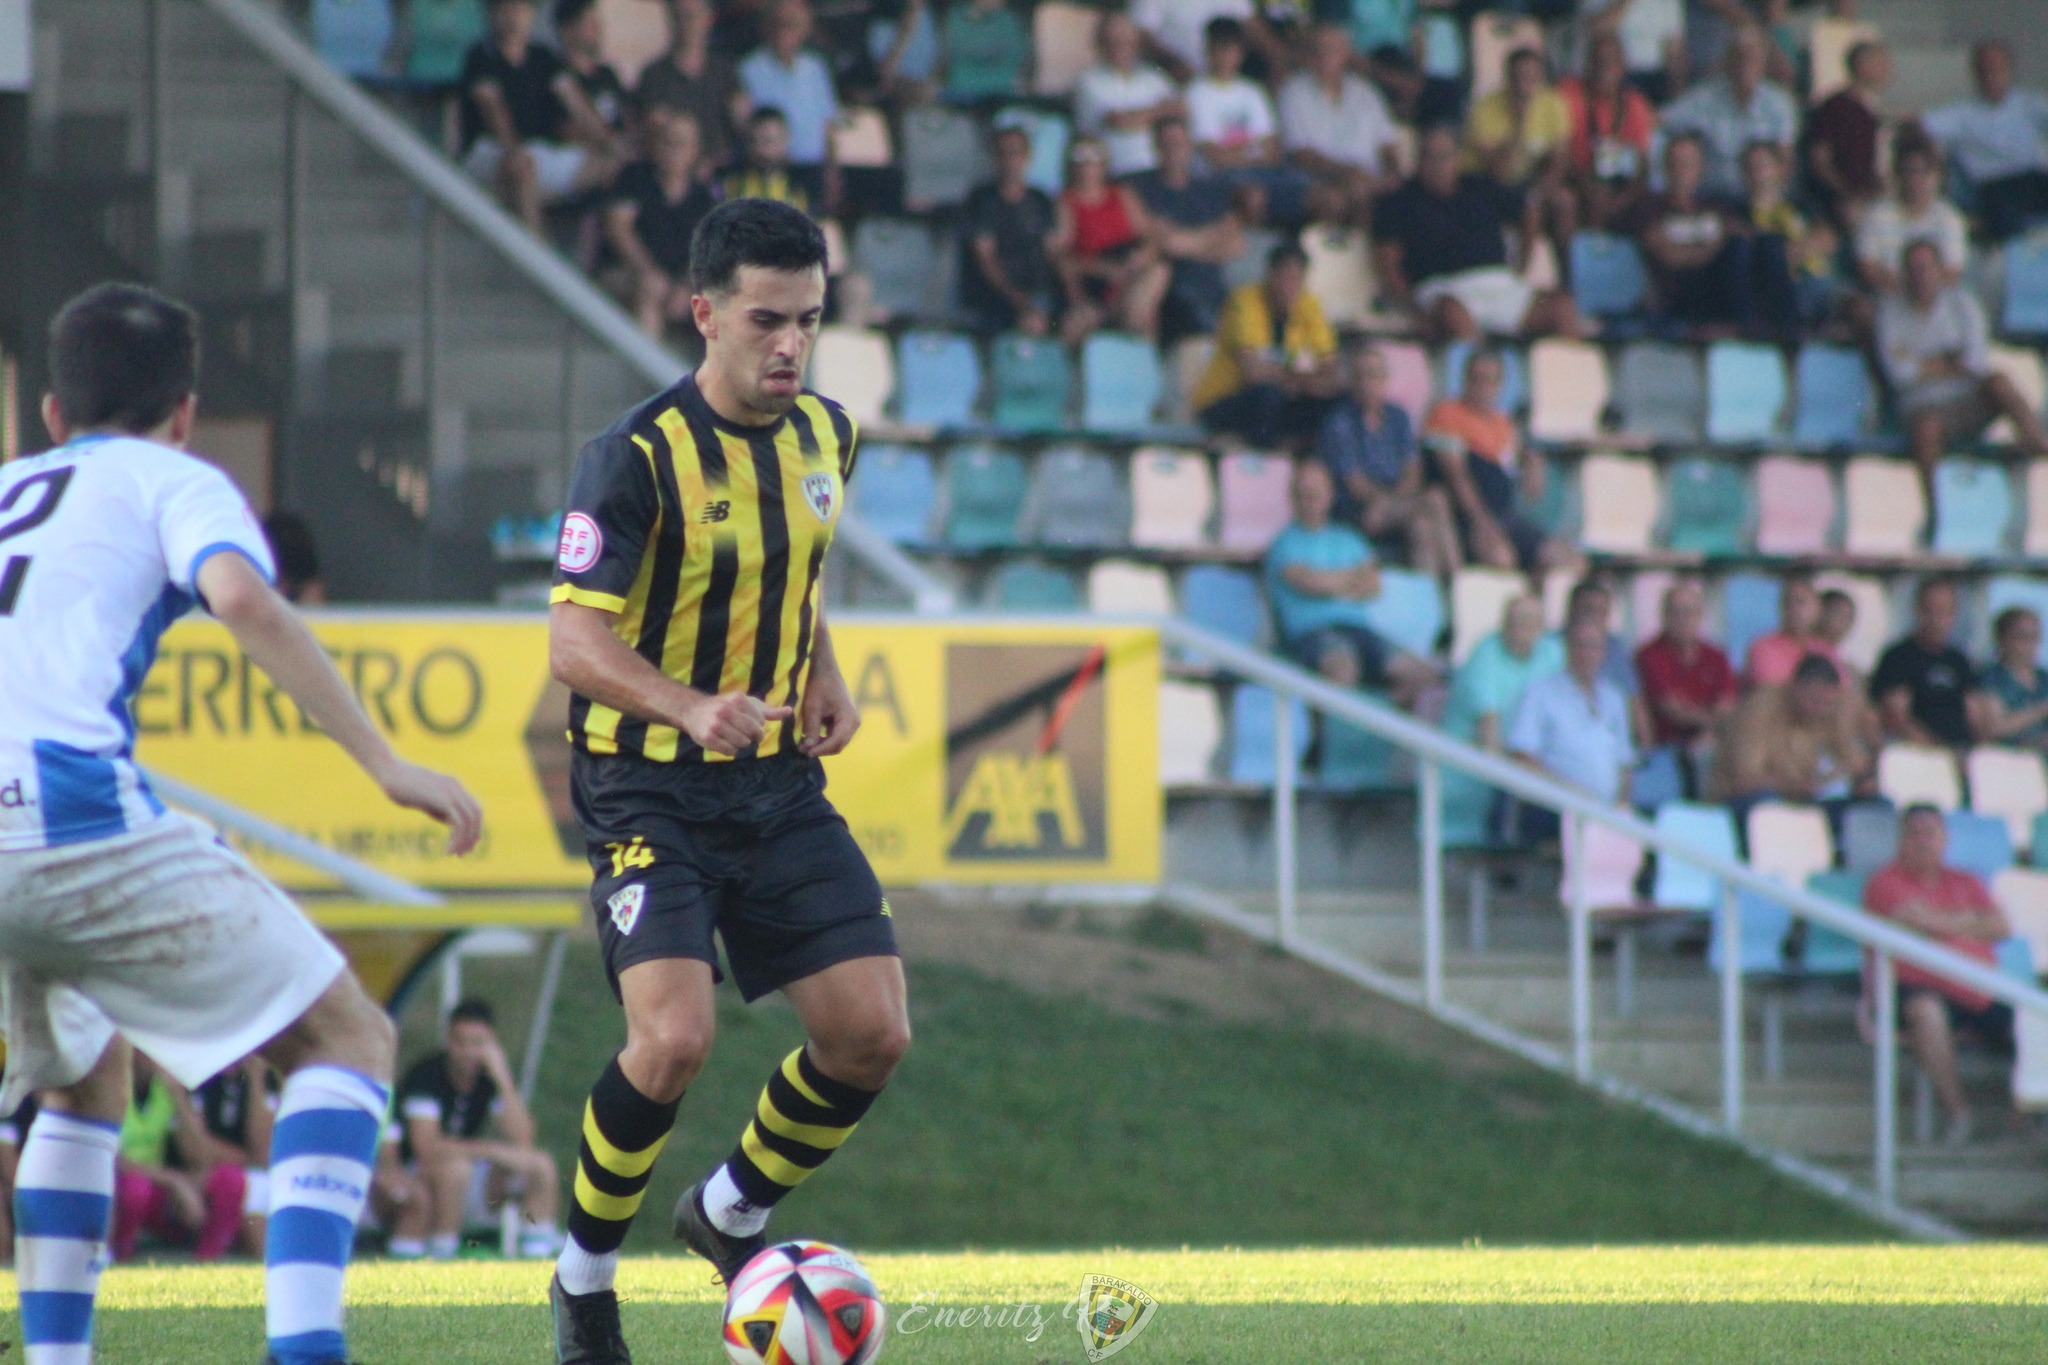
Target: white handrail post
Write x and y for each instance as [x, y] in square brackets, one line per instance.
[1431, 795]
[1731, 1009]
[1286, 771]
[1581, 914]
[1886, 984]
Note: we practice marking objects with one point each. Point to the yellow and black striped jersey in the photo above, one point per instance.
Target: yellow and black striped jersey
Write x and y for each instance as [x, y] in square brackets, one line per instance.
[706, 539]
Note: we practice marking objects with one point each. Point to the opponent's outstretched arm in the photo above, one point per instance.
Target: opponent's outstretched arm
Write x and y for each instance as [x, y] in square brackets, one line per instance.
[272, 633]
[584, 654]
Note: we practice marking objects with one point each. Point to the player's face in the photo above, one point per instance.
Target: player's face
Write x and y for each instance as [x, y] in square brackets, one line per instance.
[760, 335]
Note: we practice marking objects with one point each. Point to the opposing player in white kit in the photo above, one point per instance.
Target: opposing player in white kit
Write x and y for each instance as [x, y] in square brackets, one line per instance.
[120, 924]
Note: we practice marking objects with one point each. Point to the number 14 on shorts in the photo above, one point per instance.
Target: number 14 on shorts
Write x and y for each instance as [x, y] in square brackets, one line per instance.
[632, 853]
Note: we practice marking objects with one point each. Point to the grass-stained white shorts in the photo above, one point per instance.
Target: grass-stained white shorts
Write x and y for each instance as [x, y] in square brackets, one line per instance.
[164, 934]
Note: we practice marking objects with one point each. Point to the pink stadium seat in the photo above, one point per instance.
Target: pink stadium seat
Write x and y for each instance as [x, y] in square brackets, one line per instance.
[2034, 540]
[855, 366]
[1795, 505]
[1792, 842]
[861, 138]
[1619, 496]
[1172, 498]
[1190, 731]
[1569, 390]
[1886, 507]
[1063, 45]
[1252, 490]
[1340, 273]
[2010, 784]
[1610, 862]
[1911, 773]
[1119, 587]
[1410, 384]
[1478, 596]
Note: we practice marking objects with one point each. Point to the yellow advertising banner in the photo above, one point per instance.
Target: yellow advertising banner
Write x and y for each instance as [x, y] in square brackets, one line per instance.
[990, 751]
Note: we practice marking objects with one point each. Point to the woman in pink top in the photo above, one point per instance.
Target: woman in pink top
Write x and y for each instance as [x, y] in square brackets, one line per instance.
[1774, 657]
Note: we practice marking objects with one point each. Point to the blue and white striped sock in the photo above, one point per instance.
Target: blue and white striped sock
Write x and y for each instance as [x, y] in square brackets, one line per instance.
[63, 1201]
[321, 1152]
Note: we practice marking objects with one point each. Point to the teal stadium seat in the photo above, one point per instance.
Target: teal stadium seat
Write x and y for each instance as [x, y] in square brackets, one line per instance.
[1353, 760]
[944, 157]
[1514, 388]
[1254, 735]
[1049, 135]
[1559, 505]
[1979, 843]
[1837, 403]
[1608, 277]
[895, 491]
[1749, 608]
[1828, 952]
[1224, 600]
[439, 35]
[1660, 392]
[985, 489]
[1032, 585]
[1766, 924]
[2026, 286]
[1681, 885]
[1077, 499]
[353, 36]
[1973, 508]
[1746, 392]
[1409, 610]
[1708, 506]
[1121, 383]
[1033, 382]
[903, 262]
[938, 379]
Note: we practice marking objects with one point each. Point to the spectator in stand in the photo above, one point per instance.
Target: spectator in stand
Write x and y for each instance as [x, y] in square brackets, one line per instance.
[785, 74]
[1837, 621]
[1652, 38]
[1919, 890]
[1922, 684]
[1487, 689]
[1368, 446]
[1478, 457]
[237, 1110]
[1592, 597]
[1520, 136]
[692, 79]
[1688, 241]
[1935, 348]
[1104, 250]
[1574, 726]
[1120, 100]
[1688, 685]
[1336, 130]
[1774, 657]
[1387, 35]
[1236, 131]
[1842, 138]
[527, 129]
[1320, 576]
[987, 49]
[1274, 372]
[1795, 741]
[1918, 213]
[1175, 29]
[654, 212]
[1440, 249]
[1734, 109]
[2000, 140]
[1198, 232]
[903, 43]
[1612, 125]
[1007, 280]
[2012, 702]
[1789, 275]
[764, 172]
[579, 30]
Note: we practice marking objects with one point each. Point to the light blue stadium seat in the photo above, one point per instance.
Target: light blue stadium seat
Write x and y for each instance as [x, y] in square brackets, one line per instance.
[1827, 951]
[1746, 392]
[353, 36]
[1120, 383]
[2040, 841]
[1033, 381]
[1078, 498]
[2026, 285]
[1467, 810]
[902, 261]
[1608, 278]
[1409, 610]
[1765, 923]
[1870, 836]
[1658, 780]
[938, 379]
[1973, 508]
[1749, 608]
[1250, 267]
[1681, 885]
[2016, 960]
[1033, 585]
[1355, 760]
[895, 490]
[1661, 392]
[1708, 506]
[1979, 843]
[1837, 403]
[1254, 726]
[1514, 387]
[1049, 134]
[2010, 590]
[1226, 601]
[985, 490]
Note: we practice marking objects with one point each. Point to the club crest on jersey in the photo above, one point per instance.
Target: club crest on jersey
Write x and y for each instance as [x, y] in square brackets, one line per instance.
[581, 543]
[820, 493]
[626, 905]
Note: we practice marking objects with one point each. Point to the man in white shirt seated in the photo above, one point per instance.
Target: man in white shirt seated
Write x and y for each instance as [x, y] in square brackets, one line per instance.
[1120, 100]
[1574, 726]
[1236, 131]
[2000, 140]
[1337, 130]
[1917, 213]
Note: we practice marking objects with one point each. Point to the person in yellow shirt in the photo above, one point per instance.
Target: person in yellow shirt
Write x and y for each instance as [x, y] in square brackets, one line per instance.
[1274, 374]
[1521, 135]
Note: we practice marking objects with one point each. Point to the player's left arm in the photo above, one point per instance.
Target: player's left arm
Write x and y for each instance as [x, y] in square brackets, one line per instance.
[828, 718]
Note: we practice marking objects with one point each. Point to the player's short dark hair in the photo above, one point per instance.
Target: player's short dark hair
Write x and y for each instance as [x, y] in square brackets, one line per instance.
[759, 232]
[473, 1009]
[567, 12]
[122, 356]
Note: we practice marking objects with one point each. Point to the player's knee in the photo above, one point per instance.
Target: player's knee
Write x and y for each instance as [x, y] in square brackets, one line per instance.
[867, 1054]
[668, 1050]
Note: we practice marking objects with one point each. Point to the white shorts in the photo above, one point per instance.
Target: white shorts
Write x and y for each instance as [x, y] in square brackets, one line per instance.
[557, 163]
[1497, 298]
[163, 934]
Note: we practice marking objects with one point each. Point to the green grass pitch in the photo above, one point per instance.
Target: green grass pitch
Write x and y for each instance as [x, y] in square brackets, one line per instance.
[1785, 1303]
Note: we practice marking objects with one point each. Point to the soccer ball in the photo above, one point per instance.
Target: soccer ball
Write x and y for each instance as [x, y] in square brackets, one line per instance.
[803, 1303]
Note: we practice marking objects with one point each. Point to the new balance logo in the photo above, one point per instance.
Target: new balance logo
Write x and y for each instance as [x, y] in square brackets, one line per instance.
[716, 511]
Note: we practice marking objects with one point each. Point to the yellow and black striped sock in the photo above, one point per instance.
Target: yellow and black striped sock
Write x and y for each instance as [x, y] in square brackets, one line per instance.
[802, 1118]
[623, 1132]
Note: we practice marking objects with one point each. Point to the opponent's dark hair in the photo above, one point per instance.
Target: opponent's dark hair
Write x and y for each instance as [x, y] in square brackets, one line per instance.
[473, 1010]
[760, 232]
[122, 356]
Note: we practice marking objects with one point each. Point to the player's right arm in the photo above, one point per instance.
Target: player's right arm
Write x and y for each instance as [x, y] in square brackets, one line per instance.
[272, 634]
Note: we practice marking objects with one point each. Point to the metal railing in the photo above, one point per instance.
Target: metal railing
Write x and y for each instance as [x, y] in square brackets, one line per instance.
[1435, 751]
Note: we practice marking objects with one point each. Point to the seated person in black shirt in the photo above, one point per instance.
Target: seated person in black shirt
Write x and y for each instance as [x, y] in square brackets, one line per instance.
[580, 30]
[448, 1103]
[655, 209]
[1007, 281]
[764, 171]
[1440, 249]
[1199, 230]
[527, 127]
[1922, 684]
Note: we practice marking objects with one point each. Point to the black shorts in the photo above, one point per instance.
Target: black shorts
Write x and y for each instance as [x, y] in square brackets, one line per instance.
[750, 848]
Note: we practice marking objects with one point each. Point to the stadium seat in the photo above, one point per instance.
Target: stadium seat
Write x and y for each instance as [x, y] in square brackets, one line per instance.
[1603, 866]
[1033, 382]
[439, 35]
[1646, 603]
[854, 366]
[1618, 502]
[1467, 819]
[2010, 784]
[1973, 508]
[1979, 843]
[938, 379]
[1870, 836]
[1514, 387]
[2023, 894]
[1049, 133]
[1062, 45]
[898, 256]
[1746, 392]
[1032, 585]
[1408, 378]
[2010, 590]
[2034, 535]
[2022, 366]
[1190, 359]
[1568, 390]
[1789, 842]
[1681, 885]
[1172, 498]
[1478, 598]
[1708, 508]
[1885, 507]
[985, 491]
[1657, 779]
[1749, 608]
[1224, 600]
[1254, 735]
[1409, 610]
[1120, 383]
[1353, 760]
[1836, 400]
[2026, 286]
[944, 157]
[1828, 46]
[1910, 774]
[1340, 273]
[1120, 587]
[1252, 491]
[353, 36]
[1077, 498]
[1827, 952]
[1765, 925]
[860, 138]
[1494, 36]
[1190, 732]
[1795, 505]
[1661, 392]
[1250, 267]
[1873, 628]
[1608, 277]
[895, 491]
